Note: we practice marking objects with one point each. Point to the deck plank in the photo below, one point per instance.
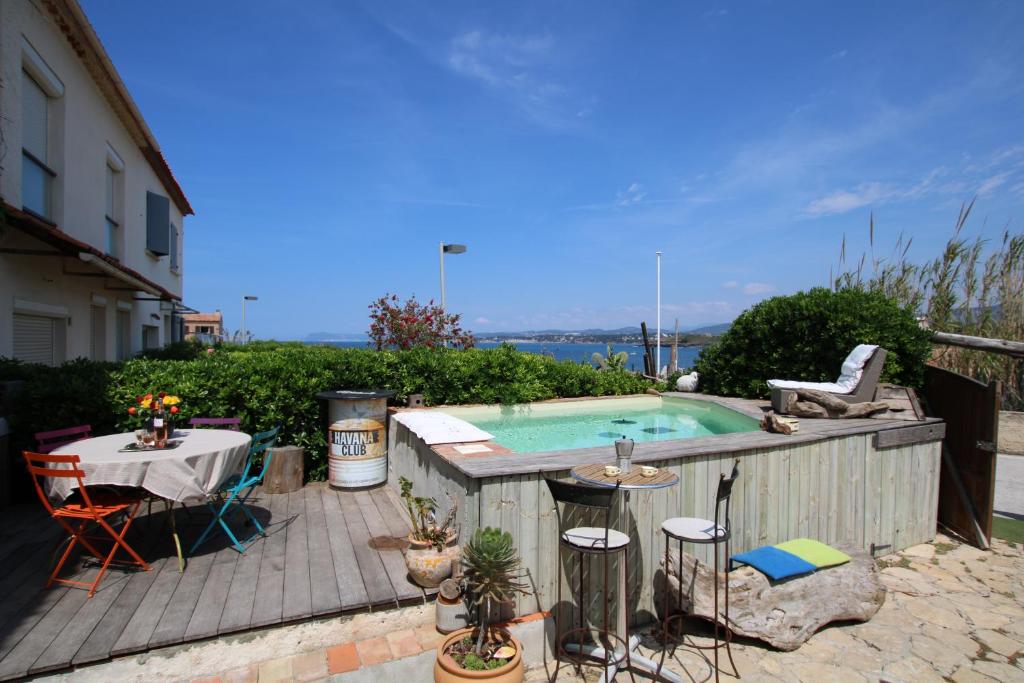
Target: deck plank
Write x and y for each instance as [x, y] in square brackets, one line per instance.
[57, 608]
[78, 629]
[209, 609]
[174, 621]
[143, 623]
[391, 557]
[323, 584]
[100, 642]
[348, 577]
[267, 606]
[297, 591]
[237, 613]
[378, 586]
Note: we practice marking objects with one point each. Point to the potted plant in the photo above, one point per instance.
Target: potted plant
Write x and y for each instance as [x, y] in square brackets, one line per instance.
[432, 550]
[485, 653]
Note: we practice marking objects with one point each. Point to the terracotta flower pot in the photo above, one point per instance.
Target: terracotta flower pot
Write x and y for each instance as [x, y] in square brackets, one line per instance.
[428, 566]
[447, 670]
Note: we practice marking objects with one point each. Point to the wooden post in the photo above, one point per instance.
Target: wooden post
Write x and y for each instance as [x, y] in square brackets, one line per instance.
[648, 358]
[286, 470]
[673, 359]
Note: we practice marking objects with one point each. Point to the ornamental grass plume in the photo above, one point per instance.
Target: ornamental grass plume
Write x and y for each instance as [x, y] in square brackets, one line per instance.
[973, 287]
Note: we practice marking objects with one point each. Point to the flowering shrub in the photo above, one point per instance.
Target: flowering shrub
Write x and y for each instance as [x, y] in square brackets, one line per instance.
[405, 326]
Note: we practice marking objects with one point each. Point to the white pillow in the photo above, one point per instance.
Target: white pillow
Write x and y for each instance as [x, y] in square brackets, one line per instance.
[853, 367]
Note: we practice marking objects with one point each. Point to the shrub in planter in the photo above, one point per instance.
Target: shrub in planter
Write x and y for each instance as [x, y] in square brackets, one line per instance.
[492, 567]
[432, 551]
[806, 336]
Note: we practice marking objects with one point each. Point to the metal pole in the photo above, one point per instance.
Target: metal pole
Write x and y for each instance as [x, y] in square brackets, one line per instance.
[657, 370]
[243, 318]
[440, 251]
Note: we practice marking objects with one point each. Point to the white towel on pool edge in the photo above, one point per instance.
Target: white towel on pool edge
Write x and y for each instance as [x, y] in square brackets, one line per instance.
[435, 427]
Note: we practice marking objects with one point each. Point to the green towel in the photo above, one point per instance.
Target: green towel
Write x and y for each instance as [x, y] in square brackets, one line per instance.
[814, 552]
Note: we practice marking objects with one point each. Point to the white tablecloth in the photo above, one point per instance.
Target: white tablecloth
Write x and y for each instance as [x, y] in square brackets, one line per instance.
[205, 458]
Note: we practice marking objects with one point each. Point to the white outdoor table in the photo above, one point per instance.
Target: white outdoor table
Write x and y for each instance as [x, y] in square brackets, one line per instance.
[197, 467]
[593, 475]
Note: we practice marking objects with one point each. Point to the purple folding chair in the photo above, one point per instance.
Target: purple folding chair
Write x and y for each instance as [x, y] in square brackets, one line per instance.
[48, 441]
[233, 423]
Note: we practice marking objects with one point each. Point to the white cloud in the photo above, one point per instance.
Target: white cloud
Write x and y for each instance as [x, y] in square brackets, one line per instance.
[482, 321]
[515, 68]
[842, 201]
[992, 182]
[634, 194]
[979, 178]
[757, 288]
[731, 284]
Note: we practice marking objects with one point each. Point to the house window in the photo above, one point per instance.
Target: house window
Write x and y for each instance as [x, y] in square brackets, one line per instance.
[36, 176]
[113, 227]
[39, 338]
[124, 339]
[150, 337]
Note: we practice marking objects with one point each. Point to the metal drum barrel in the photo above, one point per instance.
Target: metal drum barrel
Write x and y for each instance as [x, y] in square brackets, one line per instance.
[357, 445]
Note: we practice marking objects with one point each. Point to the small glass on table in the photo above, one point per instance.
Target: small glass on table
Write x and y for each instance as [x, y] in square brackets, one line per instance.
[148, 438]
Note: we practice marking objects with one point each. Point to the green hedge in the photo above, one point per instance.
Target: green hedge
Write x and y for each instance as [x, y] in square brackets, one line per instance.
[275, 384]
[807, 336]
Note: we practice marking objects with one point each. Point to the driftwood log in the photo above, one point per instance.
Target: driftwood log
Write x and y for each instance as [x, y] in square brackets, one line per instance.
[821, 404]
[784, 614]
[778, 424]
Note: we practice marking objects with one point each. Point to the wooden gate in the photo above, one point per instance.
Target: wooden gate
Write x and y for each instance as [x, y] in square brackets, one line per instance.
[970, 410]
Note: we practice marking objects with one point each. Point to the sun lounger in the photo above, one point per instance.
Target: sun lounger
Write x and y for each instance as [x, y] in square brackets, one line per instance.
[857, 383]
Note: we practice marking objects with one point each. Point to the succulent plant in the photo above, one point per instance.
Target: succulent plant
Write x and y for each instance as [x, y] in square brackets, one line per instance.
[492, 573]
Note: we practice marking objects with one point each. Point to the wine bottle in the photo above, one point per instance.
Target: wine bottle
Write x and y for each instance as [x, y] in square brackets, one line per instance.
[160, 424]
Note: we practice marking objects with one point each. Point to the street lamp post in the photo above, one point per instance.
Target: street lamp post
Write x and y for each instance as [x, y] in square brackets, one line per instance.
[247, 297]
[657, 370]
[448, 249]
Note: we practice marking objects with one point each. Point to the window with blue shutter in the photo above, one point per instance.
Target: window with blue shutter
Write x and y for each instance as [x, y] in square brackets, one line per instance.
[158, 224]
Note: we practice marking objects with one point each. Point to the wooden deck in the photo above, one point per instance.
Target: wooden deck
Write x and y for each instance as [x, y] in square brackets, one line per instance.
[326, 552]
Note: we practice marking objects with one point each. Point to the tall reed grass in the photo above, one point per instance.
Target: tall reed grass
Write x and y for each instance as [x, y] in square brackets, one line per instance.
[973, 287]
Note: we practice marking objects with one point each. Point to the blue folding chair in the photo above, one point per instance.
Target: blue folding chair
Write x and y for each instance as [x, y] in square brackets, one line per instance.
[236, 490]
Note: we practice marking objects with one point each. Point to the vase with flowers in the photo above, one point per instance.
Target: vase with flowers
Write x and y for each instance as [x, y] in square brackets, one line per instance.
[156, 414]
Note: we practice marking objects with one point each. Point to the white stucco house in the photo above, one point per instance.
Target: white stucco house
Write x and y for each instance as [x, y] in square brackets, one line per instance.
[92, 221]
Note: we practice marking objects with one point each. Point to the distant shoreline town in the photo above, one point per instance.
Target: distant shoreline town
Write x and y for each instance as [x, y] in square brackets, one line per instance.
[629, 335]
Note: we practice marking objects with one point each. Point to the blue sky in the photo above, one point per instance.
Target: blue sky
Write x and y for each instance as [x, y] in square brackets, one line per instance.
[329, 146]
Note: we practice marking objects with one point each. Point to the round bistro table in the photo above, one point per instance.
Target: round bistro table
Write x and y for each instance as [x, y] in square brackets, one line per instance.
[594, 475]
[195, 467]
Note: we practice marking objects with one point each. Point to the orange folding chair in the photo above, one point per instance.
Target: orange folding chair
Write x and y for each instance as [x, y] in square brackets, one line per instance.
[78, 515]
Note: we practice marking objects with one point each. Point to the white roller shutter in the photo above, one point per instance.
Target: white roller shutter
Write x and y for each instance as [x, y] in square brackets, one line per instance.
[34, 338]
[98, 340]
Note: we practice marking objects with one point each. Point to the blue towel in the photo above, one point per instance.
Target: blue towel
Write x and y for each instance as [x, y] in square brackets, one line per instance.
[774, 563]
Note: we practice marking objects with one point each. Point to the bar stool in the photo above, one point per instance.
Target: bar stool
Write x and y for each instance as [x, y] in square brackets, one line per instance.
[702, 531]
[587, 542]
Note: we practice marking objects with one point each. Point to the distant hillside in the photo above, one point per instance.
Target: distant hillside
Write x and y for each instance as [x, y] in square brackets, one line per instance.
[713, 330]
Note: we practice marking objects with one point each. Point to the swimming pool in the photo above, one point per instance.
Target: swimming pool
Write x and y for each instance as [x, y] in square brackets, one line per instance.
[565, 425]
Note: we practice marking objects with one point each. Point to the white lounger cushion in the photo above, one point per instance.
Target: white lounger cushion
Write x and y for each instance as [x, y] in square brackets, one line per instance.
[435, 427]
[853, 369]
[592, 537]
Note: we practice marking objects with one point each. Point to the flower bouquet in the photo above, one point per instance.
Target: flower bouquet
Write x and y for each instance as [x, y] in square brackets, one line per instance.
[156, 413]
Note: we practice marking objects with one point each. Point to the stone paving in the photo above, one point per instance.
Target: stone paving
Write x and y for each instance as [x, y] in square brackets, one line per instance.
[952, 613]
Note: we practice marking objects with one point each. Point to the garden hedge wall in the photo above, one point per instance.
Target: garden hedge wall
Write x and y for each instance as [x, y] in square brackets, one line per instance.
[268, 384]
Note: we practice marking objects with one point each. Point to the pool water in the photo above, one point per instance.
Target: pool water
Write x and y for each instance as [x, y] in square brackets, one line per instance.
[539, 427]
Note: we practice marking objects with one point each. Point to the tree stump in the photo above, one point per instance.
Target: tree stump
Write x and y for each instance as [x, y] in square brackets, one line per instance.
[784, 614]
[286, 470]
